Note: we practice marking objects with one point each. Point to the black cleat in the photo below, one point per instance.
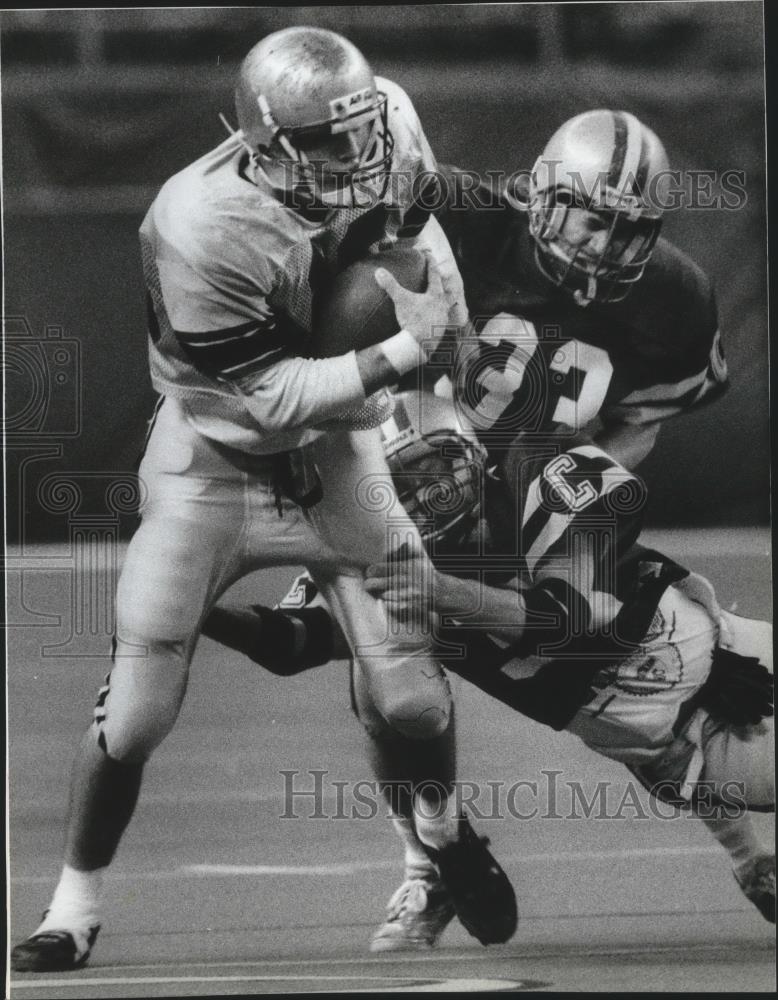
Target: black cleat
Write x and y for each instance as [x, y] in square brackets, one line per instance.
[53, 951]
[481, 892]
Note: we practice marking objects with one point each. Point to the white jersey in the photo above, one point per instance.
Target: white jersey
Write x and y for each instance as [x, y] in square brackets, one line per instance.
[232, 272]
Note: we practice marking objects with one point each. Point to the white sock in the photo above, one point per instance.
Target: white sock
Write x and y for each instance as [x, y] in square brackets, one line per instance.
[437, 823]
[417, 861]
[76, 901]
[738, 838]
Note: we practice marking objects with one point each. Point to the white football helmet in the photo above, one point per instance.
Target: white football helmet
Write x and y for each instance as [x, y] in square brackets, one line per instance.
[437, 466]
[594, 204]
[310, 113]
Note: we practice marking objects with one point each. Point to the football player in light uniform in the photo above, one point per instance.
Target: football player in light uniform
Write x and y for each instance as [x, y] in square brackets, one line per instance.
[584, 320]
[234, 249]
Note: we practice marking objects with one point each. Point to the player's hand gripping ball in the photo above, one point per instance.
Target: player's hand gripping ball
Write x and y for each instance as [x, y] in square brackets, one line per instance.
[357, 312]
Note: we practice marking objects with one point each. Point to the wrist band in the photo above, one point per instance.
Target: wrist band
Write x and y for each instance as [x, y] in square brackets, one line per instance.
[403, 352]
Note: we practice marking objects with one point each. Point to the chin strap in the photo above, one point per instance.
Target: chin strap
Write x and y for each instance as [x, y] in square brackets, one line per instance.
[591, 293]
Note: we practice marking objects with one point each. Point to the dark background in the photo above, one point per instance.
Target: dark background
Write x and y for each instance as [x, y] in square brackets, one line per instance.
[100, 107]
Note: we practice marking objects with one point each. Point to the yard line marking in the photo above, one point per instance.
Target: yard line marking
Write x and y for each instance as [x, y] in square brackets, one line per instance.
[171, 799]
[452, 986]
[124, 980]
[340, 869]
[437, 986]
[347, 868]
[336, 869]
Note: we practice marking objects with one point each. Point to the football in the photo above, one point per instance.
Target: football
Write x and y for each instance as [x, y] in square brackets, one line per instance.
[357, 313]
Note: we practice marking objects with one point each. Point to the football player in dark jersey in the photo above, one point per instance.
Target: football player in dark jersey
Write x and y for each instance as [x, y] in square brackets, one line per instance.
[579, 627]
[616, 643]
[575, 298]
[584, 321]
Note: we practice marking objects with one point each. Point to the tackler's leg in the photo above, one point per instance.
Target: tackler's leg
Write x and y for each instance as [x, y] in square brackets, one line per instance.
[721, 762]
[296, 635]
[741, 761]
[753, 862]
[740, 758]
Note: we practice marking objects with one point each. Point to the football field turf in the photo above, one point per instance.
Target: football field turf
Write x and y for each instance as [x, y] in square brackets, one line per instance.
[228, 883]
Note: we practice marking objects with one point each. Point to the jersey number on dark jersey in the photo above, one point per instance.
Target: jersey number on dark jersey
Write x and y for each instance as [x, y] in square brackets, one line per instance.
[510, 380]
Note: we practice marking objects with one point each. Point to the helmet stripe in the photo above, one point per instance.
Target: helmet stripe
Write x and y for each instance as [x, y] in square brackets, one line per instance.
[628, 179]
[642, 173]
[620, 136]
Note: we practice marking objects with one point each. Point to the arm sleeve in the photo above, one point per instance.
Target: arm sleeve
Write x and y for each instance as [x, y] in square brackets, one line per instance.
[701, 368]
[303, 392]
[222, 321]
[230, 333]
[668, 399]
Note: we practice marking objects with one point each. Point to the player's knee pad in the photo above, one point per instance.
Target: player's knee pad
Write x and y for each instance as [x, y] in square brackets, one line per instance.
[742, 760]
[414, 719]
[709, 764]
[415, 702]
[141, 698]
[411, 694]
